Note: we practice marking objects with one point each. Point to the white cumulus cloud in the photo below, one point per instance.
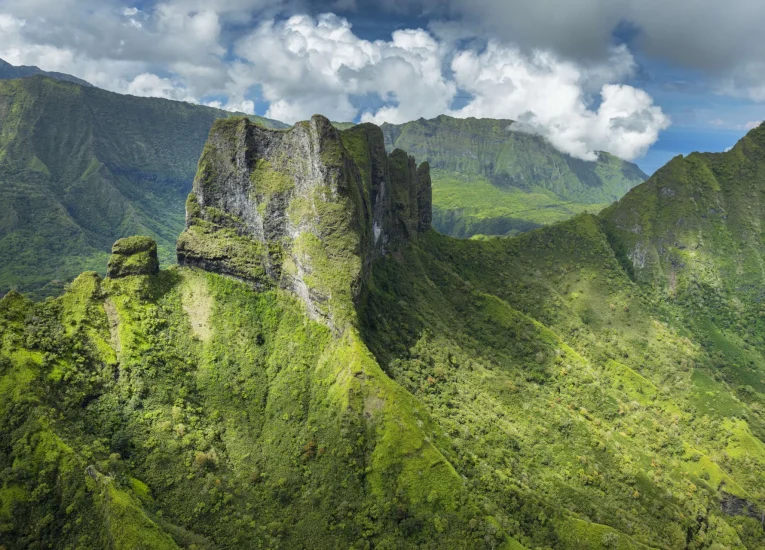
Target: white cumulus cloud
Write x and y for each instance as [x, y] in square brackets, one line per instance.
[231, 52]
[151, 85]
[308, 66]
[551, 96]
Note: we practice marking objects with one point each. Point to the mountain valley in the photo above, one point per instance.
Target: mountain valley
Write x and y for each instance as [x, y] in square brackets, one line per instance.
[490, 178]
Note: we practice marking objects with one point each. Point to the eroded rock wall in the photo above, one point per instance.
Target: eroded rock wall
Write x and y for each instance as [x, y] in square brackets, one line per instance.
[307, 209]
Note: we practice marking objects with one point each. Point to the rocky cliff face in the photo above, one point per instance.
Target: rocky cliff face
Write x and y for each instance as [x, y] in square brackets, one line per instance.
[306, 208]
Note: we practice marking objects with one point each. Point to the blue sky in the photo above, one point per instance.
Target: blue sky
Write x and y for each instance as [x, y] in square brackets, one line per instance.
[702, 120]
[643, 80]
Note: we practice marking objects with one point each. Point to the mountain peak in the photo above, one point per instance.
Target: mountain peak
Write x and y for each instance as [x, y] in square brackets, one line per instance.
[307, 208]
[695, 224]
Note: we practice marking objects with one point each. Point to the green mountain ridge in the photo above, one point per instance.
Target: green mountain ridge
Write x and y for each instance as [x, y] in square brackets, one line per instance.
[8, 71]
[324, 370]
[81, 167]
[491, 179]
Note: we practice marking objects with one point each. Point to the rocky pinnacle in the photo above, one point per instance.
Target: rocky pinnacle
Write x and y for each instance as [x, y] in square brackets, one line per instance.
[306, 209]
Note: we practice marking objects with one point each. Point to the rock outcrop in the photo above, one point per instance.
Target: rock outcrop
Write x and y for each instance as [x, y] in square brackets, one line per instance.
[133, 256]
[737, 506]
[308, 208]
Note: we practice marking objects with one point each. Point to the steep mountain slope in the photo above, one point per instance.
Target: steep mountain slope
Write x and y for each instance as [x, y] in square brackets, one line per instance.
[489, 178]
[81, 167]
[698, 222]
[582, 408]
[190, 409]
[694, 232]
[323, 370]
[8, 71]
[616, 361]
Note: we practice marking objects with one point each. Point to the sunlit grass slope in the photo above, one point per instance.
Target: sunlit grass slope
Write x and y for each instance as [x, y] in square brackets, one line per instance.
[465, 206]
[587, 411]
[188, 410]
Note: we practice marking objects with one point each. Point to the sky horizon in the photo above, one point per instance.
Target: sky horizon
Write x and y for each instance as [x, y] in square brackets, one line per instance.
[644, 81]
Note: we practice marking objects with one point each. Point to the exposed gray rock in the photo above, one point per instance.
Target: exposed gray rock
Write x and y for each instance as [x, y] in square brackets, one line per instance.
[736, 506]
[307, 209]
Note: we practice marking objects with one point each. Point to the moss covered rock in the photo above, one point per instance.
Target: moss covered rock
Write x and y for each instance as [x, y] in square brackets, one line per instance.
[133, 256]
[308, 209]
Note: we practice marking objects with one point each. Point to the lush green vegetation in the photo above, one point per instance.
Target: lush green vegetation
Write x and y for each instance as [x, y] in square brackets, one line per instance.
[489, 179]
[597, 383]
[187, 410]
[586, 410]
[465, 206]
[81, 167]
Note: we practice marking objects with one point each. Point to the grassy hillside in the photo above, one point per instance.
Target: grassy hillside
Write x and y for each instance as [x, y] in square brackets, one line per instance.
[490, 179]
[607, 368]
[694, 234]
[187, 410]
[548, 391]
[465, 206]
[585, 411]
[81, 167]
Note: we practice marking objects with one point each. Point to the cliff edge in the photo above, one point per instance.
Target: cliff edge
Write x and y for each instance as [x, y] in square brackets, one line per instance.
[306, 209]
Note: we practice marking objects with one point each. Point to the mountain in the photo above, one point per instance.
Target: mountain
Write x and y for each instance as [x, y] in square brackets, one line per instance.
[263, 419]
[489, 178]
[323, 370]
[694, 234]
[81, 167]
[8, 71]
[697, 224]
[308, 209]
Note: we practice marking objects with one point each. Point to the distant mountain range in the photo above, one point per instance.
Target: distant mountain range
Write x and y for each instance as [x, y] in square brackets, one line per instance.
[490, 179]
[8, 71]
